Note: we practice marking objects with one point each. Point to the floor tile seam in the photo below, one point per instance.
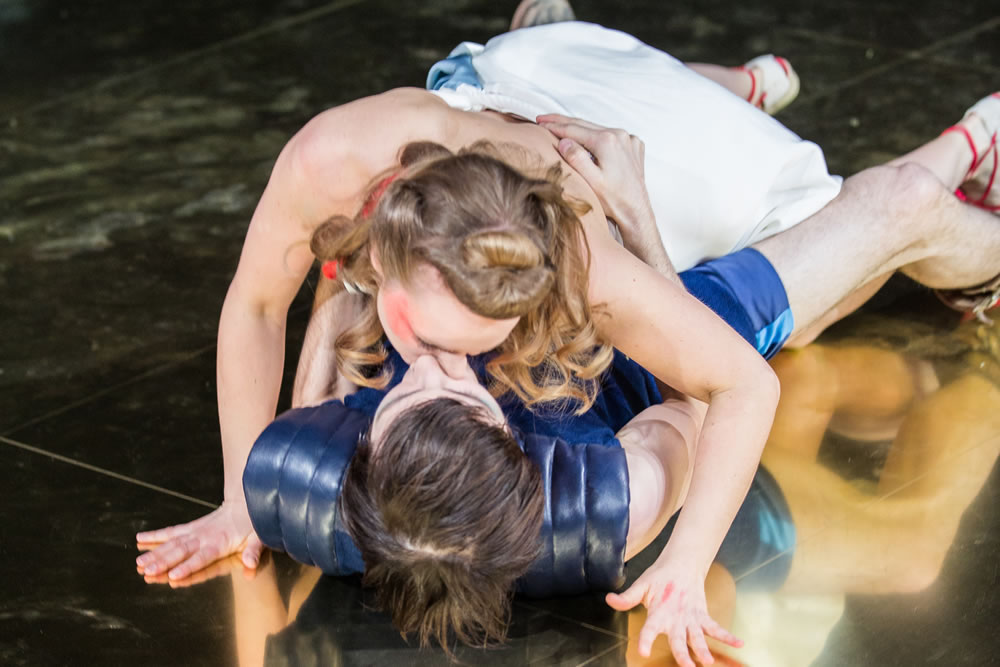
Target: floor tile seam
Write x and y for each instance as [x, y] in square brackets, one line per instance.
[861, 77]
[275, 26]
[304, 308]
[958, 64]
[104, 471]
[821, 36]
[837, 40]
[765, 563]
[569, 619]
[186, 357]
[905, 56]
[956, 455]
[591, 659]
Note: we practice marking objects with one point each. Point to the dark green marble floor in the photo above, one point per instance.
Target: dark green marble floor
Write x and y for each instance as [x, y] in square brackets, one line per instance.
[135, 139]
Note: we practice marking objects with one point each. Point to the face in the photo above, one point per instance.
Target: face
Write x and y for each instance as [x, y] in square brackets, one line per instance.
[424, 317]
[426, 380]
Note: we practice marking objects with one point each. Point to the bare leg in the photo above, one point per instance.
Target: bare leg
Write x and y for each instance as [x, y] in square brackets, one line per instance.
[901, 216]
[767, 82]
[885, 219]
[733, 79]
[948, 157]
[802, 337]
[540, 12]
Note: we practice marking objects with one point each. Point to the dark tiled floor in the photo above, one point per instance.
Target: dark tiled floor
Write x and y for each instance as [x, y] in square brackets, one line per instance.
[134, 141]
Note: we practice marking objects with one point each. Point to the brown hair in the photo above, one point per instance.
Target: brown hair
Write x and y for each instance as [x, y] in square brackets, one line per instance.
[506, 244]
[446, 514]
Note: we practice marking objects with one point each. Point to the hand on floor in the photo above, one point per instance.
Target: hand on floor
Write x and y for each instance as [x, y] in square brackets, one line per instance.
[232, 564]
[676, 606]
[187, 548]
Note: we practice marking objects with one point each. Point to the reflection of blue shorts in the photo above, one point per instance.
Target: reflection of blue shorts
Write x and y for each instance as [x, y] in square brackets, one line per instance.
[759, 546]
[745, 291]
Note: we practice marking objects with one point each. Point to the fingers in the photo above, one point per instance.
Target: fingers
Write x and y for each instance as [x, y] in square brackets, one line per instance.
[696, 640]
[252, 551]
[627, 600]
[167, 555]
[716, 631]
[580, 159]
[559, 118]
[164, 534]
[586, 136]
[201, 556]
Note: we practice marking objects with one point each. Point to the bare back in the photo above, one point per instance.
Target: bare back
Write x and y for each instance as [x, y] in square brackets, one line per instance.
[327, 167]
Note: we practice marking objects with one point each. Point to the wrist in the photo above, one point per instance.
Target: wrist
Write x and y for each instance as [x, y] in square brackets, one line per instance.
[678, 556]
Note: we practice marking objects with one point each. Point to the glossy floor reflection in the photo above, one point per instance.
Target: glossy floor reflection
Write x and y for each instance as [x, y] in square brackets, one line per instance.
[134, 143]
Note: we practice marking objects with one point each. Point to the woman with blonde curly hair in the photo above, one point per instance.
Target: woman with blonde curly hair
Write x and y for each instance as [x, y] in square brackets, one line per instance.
[461, 252]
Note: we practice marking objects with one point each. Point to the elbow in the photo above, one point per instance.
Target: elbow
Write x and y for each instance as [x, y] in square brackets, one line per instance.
[767, 384]
[243, 305]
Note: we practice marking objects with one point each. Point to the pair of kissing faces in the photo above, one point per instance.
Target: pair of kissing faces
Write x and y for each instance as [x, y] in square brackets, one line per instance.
[434, 332]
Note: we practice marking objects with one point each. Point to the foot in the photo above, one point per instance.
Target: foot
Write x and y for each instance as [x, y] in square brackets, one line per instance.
[981, 128]
[773, 83]
[540, 12]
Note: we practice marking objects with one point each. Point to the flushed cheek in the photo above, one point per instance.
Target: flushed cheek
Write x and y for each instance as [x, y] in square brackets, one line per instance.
[395, 319]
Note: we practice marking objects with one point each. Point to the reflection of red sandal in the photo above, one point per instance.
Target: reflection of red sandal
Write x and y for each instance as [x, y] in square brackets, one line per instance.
[974, 301]
[773, 78]
[981, 186]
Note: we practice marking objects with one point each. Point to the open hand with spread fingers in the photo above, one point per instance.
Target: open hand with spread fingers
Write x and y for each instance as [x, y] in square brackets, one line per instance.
[676, 606]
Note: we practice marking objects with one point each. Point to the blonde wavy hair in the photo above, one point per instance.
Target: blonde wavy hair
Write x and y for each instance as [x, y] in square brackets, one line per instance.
[507, 245]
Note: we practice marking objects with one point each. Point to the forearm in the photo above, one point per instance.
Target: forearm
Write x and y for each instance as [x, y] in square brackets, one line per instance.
[317, 378]
[249, 368]
[642, 238]
[728, 452]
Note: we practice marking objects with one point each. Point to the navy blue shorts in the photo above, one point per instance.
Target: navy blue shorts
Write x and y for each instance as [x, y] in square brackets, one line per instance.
[745, 291]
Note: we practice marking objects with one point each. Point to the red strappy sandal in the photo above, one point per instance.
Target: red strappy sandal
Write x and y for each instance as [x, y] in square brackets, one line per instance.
[977, 190]
[777, 80]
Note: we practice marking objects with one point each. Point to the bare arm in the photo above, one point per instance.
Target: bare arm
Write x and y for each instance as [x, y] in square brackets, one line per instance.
[687, 346]
[659, 444]
[318, 174]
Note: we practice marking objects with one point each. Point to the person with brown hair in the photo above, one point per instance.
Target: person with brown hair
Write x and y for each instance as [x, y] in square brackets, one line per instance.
[598, 296]
[336, 167]
[408, 422]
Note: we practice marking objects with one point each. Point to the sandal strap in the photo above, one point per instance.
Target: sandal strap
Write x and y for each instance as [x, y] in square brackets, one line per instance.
[777, 82]
[972, 147]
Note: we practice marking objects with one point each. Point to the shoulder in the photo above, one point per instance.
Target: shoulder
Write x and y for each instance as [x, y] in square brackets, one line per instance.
[342, 149]
[367, 128]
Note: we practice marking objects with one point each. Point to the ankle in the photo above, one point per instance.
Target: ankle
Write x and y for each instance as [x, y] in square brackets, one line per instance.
[750, 87]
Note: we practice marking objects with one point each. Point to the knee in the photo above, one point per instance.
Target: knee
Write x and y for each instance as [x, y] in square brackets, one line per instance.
[908, 191]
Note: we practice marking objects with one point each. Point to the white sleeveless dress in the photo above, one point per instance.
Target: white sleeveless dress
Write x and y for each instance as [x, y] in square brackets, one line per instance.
[721, 173]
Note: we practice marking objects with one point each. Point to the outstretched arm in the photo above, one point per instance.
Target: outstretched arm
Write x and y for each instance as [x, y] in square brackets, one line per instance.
[315, 176]
[684, 344]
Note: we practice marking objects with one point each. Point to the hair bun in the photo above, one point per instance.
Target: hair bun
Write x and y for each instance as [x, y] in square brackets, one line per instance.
[502, 274]
[501, 249]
